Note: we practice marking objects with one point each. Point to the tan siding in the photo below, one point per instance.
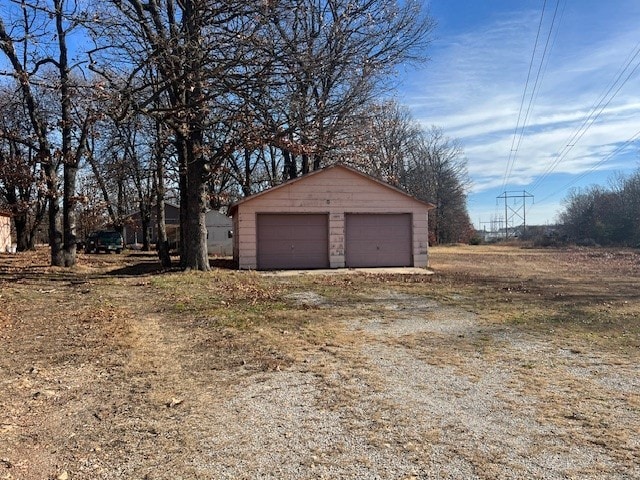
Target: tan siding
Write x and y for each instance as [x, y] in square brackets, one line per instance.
[246, 239]
[337, 186]
[370, 205]
[421, 238]
[336, 239]
[236, 237]
[5, 233]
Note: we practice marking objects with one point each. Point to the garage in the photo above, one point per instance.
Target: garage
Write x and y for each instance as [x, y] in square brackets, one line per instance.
[292, 241]
[335, 217]
[378, 240]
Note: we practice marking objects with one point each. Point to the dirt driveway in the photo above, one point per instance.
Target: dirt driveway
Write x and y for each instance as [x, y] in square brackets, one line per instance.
[106, 374]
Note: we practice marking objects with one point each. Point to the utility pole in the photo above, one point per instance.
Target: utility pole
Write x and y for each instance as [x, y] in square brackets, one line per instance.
[484, 224]
[517, 212]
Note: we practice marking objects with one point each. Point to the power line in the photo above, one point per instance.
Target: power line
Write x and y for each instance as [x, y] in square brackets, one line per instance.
[635, 137]
[594, 113]
[539, 76]
[524, 96]
[515, 145]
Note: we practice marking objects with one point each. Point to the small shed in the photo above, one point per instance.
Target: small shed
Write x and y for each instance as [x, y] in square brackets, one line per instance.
[5, 231]
[336, 217]
[219, 233]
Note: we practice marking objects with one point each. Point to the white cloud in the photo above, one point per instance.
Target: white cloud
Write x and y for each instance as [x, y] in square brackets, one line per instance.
[474, 86]
[475, 97]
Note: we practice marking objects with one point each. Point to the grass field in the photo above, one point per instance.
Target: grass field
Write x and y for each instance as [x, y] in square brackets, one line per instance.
[116, 369]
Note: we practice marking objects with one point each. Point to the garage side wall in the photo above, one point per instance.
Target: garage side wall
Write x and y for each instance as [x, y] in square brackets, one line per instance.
[334, 192]
[5, 233]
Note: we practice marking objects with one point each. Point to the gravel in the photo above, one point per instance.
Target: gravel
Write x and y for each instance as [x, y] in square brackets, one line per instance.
[384, 409]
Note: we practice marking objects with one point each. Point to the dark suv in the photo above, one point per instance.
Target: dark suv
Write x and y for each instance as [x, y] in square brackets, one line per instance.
[104, 240]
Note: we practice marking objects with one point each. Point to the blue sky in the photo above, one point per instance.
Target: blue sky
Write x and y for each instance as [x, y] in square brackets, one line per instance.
[473, 87]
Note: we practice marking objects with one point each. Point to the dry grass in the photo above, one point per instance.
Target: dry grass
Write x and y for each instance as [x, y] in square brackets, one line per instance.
[575, 294]
[117, 369]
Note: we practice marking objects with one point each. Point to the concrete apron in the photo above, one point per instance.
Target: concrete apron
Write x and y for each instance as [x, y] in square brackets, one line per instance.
[350, 271]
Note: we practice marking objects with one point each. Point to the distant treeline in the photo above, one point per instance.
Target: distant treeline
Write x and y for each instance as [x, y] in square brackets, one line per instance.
[604, 215]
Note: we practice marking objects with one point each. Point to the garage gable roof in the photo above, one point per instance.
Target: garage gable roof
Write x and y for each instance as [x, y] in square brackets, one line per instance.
[302, 178]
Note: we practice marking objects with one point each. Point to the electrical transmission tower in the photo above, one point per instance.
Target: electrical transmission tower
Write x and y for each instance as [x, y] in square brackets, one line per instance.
[515, 215]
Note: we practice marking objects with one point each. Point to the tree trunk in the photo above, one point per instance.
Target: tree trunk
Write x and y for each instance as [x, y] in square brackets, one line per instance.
[145, 220]
[69, 214]
[317, 161]
[246, 184]
[163, 242]
[20, 218]
[183, 166]
[31, 239]
[101, 184]
[274, 170]
[38, 217]
[196, 255]
[195, 252]
[55, 235]
[22, 232]
[120, 210]
[69, 160]
[53, 210]
[289, 171]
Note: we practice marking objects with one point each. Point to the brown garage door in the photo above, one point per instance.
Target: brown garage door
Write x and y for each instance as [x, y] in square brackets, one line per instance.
[289, 241]
[374, 240]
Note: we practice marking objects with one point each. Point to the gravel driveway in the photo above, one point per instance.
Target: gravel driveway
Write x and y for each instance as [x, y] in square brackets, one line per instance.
[426, 392]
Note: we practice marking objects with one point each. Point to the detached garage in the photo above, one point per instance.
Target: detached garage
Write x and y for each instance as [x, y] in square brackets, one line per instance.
[332, 218]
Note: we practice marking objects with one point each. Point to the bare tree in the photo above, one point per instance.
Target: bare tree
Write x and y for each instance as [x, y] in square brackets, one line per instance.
[37, 119]
[160, 147]
[332, 58]
[21, 188]
[121, 157]
[385, 138]
[48, 64]
[109, 175]
[189, 64]
[389, 144]
[247, 172]
[606, 216]
[437, 172]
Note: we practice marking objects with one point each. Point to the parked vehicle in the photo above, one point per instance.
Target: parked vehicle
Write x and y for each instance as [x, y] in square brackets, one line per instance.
[104, 240]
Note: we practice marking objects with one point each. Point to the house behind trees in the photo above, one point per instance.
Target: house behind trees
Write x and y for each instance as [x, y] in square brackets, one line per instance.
[219, 228]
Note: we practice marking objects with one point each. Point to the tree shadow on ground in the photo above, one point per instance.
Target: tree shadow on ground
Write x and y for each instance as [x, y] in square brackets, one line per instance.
[153, 267]
[29, 268]
[150, 267]
[223, 263]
